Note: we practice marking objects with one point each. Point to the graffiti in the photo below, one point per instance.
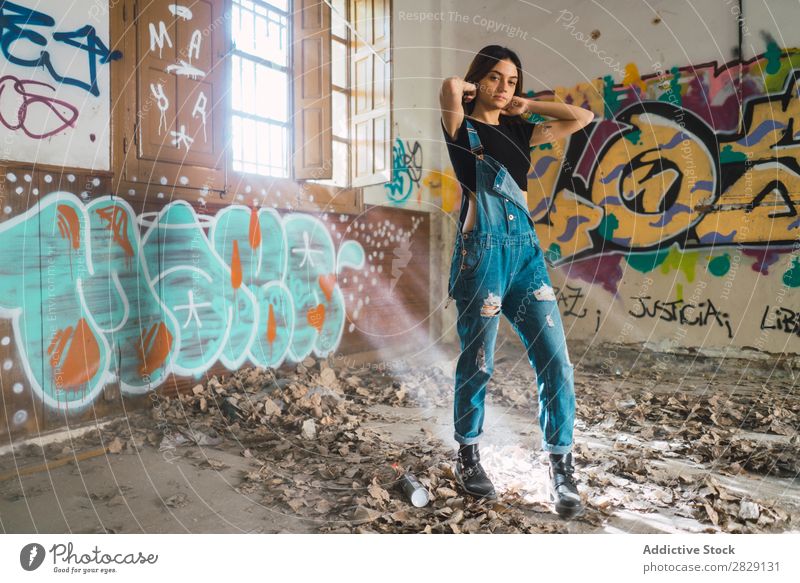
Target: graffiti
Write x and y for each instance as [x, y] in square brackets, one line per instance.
[16, 25]
[682, 312]
[783, 319]
[666, 169]
[34, 108]
[182, 12]
[181, 137]
[185, 69]
[159, 37]
[568, 298]
[162, 101]
[54, 69]
[406, 170]
[94, 302]
[194, 46]
[200, 110]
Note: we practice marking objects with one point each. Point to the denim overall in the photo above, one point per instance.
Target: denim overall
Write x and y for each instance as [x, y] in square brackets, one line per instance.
[498, 267]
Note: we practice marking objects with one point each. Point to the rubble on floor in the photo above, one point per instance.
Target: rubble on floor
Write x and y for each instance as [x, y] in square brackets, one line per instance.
[302, 429]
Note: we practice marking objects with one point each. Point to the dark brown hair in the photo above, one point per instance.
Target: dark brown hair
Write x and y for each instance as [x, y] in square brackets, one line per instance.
[484, 62]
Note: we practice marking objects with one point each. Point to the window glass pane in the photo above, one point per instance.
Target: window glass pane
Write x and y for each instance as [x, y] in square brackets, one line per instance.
[341, 162]
[260, 31]
[273, 44]
[277, 143]
[236, 142]
[272, 95]
[280, 4]
[249, 144]
[340, 115]
[247, 81]
[337, 22]
[339, 64]
[263, 156]
[236, 86]
[245, 37]
[260, 81]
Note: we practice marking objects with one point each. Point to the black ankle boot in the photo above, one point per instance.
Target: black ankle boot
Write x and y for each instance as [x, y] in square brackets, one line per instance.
[470, 475]
[563, 490]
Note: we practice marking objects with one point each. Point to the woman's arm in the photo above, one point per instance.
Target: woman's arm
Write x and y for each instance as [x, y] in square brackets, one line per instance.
[570, 119]
[454, 92]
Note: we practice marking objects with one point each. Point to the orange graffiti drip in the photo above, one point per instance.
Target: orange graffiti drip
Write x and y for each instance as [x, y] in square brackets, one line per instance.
[82, 360]
[69, 226]
[236, 267]
[117, 220]
[316, 317]
[327, 283]
[254, 236]
[272, 326]
[154, 348]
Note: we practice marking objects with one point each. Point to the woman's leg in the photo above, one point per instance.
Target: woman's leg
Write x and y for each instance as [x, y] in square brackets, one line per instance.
[478, 319]
[531, 307]
[477, 329]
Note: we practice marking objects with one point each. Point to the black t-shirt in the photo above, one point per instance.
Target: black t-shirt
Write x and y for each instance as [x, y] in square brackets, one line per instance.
[508, 143]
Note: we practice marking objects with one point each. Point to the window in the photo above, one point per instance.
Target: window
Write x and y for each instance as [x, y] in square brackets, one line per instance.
[284, 92]
[340, 94]
[260, 77]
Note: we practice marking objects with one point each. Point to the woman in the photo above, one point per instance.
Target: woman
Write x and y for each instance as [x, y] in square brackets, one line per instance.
[498, 265]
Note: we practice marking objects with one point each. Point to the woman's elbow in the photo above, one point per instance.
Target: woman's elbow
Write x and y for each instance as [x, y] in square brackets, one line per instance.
[587, 117]
[452, 86]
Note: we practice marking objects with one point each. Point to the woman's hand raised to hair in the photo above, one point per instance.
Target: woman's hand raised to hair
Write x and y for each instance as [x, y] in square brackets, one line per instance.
[517, 106]
[470, 91]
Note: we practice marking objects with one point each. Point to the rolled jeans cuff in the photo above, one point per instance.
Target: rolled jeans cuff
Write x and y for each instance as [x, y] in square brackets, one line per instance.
[460, 439]
[559, 449]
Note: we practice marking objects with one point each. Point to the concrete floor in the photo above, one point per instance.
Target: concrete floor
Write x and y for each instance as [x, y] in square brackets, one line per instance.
[145, 492]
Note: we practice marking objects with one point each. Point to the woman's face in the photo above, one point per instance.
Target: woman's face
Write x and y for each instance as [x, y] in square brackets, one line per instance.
[497, 87]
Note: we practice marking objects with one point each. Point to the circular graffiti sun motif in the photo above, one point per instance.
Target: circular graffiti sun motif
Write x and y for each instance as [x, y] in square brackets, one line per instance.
[653, 175]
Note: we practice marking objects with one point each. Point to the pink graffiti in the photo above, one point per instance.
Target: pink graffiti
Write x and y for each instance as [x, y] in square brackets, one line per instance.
[64, 111]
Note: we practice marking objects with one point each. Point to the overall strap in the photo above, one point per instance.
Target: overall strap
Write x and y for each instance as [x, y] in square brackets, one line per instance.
[475, 145]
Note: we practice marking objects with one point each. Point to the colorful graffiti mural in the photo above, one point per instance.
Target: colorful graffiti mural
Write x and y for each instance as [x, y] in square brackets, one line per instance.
[93, 302]
[674, 167]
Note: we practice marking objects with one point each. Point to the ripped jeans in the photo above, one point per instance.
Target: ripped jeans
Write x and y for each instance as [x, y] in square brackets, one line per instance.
[492, 275]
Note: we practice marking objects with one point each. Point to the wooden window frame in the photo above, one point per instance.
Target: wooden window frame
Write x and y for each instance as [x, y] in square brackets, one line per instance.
[348, 95]
[222, 183]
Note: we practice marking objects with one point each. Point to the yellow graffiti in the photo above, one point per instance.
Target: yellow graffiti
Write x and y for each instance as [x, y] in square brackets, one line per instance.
[657, 174]
[446, 185]
[632, 78]
[572, 219]
[685, 261]
[758, 207]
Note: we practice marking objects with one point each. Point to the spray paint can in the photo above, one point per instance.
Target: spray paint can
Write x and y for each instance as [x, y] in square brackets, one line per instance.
[414, 491]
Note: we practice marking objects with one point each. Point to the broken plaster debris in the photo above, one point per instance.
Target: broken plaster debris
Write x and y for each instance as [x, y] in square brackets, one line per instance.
[694, 452]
